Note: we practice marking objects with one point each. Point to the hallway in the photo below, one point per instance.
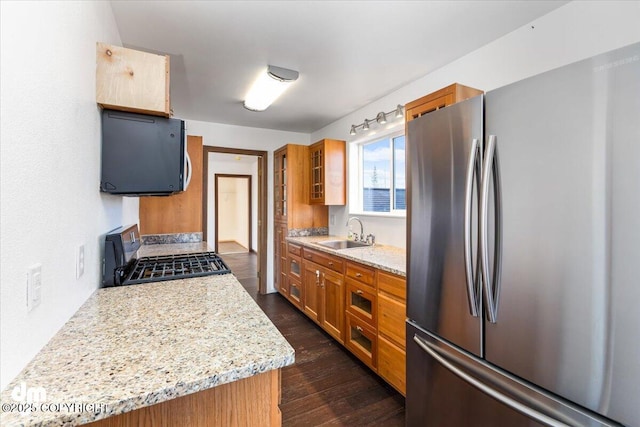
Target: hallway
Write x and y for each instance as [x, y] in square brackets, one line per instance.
[327, 385]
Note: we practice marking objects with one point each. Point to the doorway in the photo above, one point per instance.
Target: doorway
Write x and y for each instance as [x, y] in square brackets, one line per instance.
[258, 239]
[233, 213]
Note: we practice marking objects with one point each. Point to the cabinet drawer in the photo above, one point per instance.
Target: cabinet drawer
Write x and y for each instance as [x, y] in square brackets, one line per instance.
[295, 249]
[334, 263]
[361, 273]
[391, 319]
[295, 267]
[392, 364]
[391, 284]
[295, 292]
[361, 301]
[361, 340]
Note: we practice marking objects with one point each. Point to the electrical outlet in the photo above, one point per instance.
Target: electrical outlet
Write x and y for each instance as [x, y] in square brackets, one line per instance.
[34, 286]
[332, 219]
[80, 261]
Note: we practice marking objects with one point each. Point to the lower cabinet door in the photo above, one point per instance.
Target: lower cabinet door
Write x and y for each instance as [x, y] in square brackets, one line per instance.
[333, 304]
[392, 364]
[312, 296]
[361, 339]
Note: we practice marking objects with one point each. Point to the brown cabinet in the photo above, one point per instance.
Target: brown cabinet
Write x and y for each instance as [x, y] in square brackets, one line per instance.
[323, 291]
[362, 307]
[362, 301]
[392, 313]
[181, 212]
[332, 318]
[131, 80]
[291, 212]
[361, 339]
[312, 292]
[439, 99]
[327, 173]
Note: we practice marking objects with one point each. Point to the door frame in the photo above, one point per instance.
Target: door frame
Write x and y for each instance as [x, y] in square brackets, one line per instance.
[262, 202]
[234, 176]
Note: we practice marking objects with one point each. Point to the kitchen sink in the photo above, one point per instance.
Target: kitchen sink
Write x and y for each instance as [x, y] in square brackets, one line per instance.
[342, 244]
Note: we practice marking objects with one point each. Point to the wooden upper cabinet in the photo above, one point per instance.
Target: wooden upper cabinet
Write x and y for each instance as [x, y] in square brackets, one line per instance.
[280, 158]
[327, 169]
[131, 80]
[290, 178]
[439, 99]
[181, 212]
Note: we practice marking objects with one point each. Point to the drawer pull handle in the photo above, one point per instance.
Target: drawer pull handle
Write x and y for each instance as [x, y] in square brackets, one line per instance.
[359, 292]
[359, 329]
[309, 256]
[358, 274]
[330, 262]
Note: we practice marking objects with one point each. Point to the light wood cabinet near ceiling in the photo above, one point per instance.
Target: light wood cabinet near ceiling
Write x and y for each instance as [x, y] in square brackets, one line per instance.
[291, 211]
[131, 80]
[327, 168]
[438, 99]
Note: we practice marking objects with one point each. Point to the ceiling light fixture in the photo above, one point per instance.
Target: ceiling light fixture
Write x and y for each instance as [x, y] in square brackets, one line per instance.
[268, 87]
[381, 118]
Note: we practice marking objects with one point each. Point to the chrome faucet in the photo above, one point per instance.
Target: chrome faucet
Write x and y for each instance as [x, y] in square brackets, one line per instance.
[358, 237]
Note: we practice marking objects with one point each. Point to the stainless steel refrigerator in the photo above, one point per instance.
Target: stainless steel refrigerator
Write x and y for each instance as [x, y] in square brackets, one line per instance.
[524, 252]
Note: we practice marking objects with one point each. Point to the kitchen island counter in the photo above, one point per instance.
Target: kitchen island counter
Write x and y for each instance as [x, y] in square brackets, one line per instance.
[130, 347]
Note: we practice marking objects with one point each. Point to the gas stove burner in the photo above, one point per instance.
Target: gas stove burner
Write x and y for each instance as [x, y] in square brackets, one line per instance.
[173, 267]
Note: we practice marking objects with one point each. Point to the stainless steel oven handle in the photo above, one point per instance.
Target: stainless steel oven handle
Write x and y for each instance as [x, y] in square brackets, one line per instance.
[468, 257]
[524, 409]
[188, 180]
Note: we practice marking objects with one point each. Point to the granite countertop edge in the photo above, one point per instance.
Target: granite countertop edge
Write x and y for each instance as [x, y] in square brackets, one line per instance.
[216, 356]
[383, 257]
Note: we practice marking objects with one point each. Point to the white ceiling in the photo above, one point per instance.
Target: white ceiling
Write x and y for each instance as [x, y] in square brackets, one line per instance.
[348, 53]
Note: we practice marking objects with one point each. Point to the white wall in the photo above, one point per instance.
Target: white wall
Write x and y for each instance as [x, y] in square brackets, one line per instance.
[573, 32]
[233, 209]
[242, 209]
[220, 163]
[221, 135]
[50, 168]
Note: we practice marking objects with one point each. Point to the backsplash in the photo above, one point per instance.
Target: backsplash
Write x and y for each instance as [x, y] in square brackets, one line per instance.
[163, 239]
[304, 232]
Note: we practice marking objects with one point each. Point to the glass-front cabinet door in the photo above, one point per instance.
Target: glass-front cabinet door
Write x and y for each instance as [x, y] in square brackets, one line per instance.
[280, 184]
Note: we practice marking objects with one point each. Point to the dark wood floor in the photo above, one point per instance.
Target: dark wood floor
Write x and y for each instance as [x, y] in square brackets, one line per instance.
[327, 385]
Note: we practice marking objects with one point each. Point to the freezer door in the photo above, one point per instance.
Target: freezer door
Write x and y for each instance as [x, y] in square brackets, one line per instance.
[447, 387]
[569, 158]
[443, 167]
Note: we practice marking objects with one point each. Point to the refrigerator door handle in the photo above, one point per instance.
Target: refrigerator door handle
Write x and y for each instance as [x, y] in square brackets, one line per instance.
[473, 169]
[522, 408]
[491, 169]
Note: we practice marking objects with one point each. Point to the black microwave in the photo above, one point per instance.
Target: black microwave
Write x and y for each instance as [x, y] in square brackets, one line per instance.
[143, 155]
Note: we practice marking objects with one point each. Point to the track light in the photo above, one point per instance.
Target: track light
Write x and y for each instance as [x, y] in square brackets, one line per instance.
[381, 119]
[399, 112]
[268, 87]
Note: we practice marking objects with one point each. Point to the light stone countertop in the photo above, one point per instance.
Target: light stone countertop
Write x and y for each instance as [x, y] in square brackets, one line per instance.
[133, 346]
[383, 257]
